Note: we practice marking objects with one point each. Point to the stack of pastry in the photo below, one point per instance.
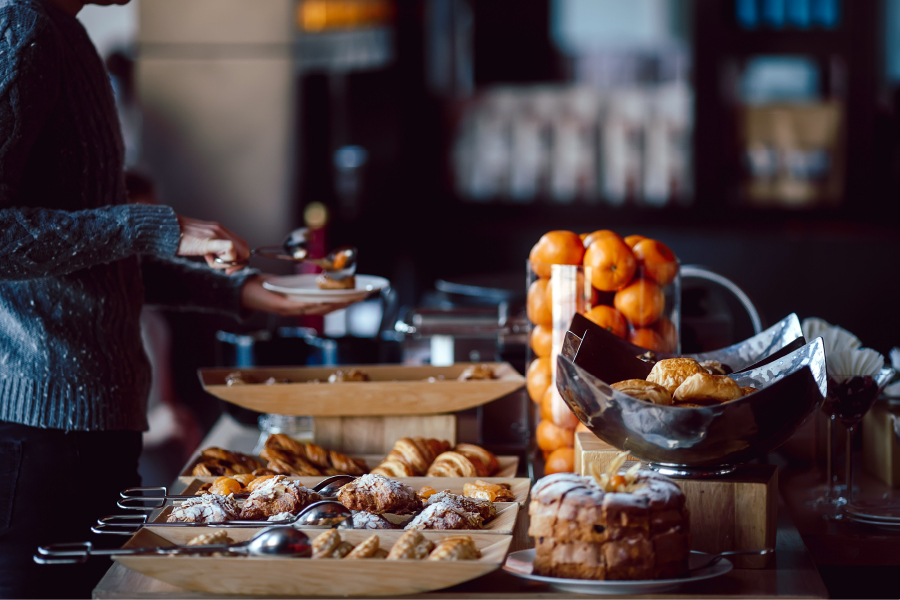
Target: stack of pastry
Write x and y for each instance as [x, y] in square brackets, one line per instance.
[632, 526]
[412, 545]
[685, 382]
[216, 461]
[287, 456]
[415, 457]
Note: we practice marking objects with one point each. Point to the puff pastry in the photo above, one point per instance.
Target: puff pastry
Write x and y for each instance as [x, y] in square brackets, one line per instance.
[277, 495]
[644, 390]
[483, 508]
[444, 515]
[216, 537]
[411, 545]
[703, 388]
[225, 485]
[479, 455]
[326, 543]
[714, 367]
[671, 372]
[208, 508]
[457, 547]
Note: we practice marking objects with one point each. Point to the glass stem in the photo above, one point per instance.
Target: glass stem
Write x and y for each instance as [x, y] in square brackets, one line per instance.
[849, 474]
[829, 455]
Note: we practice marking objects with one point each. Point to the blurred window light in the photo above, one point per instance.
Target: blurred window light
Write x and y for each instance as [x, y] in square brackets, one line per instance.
[321, 15]
[578, 25]
[892, 40]
[780, 79]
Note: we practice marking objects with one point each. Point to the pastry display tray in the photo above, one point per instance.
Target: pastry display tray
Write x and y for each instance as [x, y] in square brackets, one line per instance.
[520, 486]
[392, 389]
[509, 466]
[277, 576]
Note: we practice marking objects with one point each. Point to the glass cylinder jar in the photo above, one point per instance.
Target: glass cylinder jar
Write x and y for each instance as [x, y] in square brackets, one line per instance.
[641, 311]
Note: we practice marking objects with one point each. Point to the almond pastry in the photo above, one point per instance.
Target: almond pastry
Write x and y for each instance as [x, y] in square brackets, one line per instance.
[326, 543]
[208, 508]
[377, 494]
[411, 545]
[452, 464]
[703, 388]
[365, 549]
[458, 547]
[277, 495]
[484, 508]
[644, 390]
[671, 372]
[445, 515]
[258, 482]
[367, 520]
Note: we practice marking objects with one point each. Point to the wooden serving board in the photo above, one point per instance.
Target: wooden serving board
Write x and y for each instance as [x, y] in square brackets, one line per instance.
[392, 390]
[738, 511]
[509, 466]
[264, 576]
[504, 523]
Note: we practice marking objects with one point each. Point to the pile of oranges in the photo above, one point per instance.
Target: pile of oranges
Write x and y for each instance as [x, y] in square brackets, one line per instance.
[621, 288]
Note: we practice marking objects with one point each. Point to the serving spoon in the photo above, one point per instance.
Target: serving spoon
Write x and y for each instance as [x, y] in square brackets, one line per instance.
[272, 541]
[339, 264]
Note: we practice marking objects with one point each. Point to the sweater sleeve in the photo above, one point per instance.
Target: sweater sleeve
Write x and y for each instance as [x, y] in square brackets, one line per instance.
[38, 242]
[179, 283]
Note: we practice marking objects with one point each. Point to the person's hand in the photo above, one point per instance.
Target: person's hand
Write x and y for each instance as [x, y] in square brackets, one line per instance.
[211, 240]
[255, 297]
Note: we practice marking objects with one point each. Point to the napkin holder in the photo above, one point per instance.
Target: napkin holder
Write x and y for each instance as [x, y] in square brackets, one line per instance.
[738, 511]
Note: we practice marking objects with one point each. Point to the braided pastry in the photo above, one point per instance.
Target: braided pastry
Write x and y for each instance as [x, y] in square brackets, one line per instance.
[310, 459]
[345, 464]
[452, 464]
[316, 454]
[284, 442]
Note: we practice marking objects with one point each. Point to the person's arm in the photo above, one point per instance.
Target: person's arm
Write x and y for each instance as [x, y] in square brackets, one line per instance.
[180, 284]
[37, 242]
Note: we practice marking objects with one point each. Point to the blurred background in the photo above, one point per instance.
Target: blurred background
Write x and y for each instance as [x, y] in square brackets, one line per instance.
[759, 138]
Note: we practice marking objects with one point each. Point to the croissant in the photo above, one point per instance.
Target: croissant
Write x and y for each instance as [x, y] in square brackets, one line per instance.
[416, 456]
[452, 464]
[394, 468]
[489, 462]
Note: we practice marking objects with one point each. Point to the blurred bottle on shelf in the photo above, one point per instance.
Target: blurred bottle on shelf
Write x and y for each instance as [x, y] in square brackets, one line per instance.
[782, 14]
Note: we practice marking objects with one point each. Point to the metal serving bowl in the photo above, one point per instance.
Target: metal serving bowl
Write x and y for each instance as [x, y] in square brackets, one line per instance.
[691, 441]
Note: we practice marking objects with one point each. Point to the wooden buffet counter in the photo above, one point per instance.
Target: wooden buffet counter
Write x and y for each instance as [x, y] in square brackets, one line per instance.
[792, 574]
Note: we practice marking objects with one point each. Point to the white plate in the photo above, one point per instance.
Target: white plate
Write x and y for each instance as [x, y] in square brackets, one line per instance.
[520, 564]
[303, 288]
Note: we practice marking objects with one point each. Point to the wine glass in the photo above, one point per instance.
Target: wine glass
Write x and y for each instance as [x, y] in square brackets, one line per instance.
[849, 401]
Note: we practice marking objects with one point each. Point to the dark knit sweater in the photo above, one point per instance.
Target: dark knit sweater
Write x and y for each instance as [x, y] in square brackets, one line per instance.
[76, 261]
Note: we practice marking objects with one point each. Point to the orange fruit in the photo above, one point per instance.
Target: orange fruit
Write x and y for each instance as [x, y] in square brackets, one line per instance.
[584, 296]
[538, 378]
[541, 340]
[667, 332]
[561, 460]
[641, 302]
[596, 235]
[608, 318]
[537, 305]
[631, 240]
[582, 236]
[556, 248]
[554, 408]
[550, 436]
[647, 338]
[612, 263]
[658, 262]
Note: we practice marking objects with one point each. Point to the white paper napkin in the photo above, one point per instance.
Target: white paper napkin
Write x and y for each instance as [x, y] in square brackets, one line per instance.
[893, 390]
[835, 338]
[845, 364]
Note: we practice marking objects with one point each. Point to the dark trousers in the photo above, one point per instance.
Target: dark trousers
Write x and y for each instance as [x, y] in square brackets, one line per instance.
[53, 486]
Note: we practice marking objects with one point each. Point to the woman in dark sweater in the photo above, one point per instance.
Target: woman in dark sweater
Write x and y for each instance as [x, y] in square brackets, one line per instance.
[77, 262]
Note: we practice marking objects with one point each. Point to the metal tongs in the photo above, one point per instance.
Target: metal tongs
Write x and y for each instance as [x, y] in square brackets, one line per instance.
[339, 264]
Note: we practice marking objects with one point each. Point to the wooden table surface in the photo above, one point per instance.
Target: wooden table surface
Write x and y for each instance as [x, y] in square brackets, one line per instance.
[793, 575]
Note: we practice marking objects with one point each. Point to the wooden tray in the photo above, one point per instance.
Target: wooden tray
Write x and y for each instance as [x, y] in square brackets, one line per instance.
[502, 524]
[258, 576]
[509, 466]
[520, 486]
[393, 390]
